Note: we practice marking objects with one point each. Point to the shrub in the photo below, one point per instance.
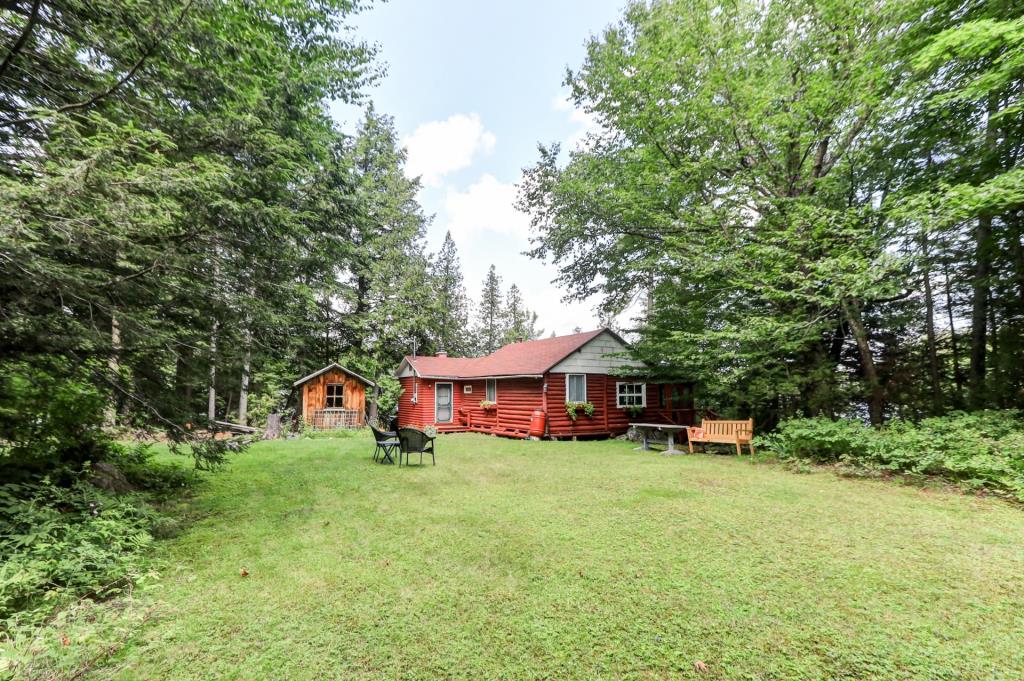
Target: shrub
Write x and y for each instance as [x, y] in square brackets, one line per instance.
[61, 541]
[159, 481]
[980, 450]
[50, 417]
[261, 405]
[51, 423]
[820, 440]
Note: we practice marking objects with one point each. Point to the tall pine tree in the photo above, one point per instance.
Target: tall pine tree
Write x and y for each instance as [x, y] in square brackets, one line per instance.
[520, 321]
[490, 328]
[453, 306]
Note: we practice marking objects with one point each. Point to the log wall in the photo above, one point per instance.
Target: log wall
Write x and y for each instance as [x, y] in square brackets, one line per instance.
[608, 419]
[519, 397]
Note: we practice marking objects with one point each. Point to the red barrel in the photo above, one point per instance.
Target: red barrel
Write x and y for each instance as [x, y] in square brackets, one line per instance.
[537, 423]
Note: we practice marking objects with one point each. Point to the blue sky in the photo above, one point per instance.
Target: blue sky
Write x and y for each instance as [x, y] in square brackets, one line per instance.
[473, 86]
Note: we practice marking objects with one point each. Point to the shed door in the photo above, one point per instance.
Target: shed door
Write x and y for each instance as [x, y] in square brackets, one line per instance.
[443, 403]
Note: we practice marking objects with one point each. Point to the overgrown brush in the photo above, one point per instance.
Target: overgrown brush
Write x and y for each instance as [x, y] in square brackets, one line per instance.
[978, 450]
[62, 542]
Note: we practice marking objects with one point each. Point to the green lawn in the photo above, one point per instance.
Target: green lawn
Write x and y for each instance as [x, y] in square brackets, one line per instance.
[578, 560]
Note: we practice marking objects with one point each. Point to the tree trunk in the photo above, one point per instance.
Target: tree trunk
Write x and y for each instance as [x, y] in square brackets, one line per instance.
[114, 364]
[243, 392]
[929, 307]
[273, 430]
[979, 311]
[995, 370]
[371, 416]
[958, 377]
[980, 284]
[211, 405]
[1016, 220]
[876, 396]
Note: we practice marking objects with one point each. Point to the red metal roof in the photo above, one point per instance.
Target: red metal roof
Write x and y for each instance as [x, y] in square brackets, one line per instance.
[529, 358]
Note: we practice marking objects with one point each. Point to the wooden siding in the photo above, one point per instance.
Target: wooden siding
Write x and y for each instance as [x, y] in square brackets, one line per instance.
[608, 419]
[592, 357]
[519, 397]
[421, 413]
[314, 394]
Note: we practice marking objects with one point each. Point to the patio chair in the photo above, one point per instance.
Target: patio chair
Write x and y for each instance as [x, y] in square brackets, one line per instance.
[415, 440]
[387, 444]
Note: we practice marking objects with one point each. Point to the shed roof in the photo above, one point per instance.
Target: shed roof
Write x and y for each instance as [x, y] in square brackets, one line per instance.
[329, 367]
[528, 358]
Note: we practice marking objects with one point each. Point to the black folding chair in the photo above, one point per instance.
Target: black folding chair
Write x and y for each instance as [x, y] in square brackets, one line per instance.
[414, 440]
[386, 446]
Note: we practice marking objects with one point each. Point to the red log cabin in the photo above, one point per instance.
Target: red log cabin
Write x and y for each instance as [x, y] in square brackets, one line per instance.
[501, 393]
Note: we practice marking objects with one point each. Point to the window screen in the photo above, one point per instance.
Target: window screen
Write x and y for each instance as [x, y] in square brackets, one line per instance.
[491, 388]
[576, 388]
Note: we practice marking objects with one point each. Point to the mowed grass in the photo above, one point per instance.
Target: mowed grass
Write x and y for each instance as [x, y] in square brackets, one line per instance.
[550, 560]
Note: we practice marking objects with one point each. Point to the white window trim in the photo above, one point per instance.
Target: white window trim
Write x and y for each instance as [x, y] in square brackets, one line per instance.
[567, 376]
[451, 407]
[467, 389]
[488, 382]
[643, 395]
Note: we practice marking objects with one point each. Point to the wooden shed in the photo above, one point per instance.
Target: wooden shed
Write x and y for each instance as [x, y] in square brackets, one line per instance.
[333, 397]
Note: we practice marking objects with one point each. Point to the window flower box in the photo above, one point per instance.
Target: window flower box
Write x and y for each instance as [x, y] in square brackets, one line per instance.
[573, 408]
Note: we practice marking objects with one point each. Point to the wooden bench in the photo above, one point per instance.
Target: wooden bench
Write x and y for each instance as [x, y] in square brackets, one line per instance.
[723, 432]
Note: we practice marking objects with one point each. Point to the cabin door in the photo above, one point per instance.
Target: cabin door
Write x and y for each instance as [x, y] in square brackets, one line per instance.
[443, 403]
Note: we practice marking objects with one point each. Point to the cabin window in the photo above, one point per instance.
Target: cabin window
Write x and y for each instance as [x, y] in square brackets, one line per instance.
[491, 388]
[576, 388]
[335, 396]
[631, 394]
[468, 389]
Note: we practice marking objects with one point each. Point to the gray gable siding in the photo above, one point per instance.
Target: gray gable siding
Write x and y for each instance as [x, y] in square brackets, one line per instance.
[591, 359]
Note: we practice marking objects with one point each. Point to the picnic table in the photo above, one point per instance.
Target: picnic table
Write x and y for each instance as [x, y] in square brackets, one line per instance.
[667, 428]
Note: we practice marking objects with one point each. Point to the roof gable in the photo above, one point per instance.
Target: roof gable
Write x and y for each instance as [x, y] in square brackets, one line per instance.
[602, 354]
[330, 367]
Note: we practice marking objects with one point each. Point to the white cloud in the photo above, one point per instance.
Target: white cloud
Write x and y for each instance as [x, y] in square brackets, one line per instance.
[437, 148]
[487, 205]
[585, 123]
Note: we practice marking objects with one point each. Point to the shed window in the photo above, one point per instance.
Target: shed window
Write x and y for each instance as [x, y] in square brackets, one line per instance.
[631, 394]
[335, 396]
[491, 388]
[576, 388]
